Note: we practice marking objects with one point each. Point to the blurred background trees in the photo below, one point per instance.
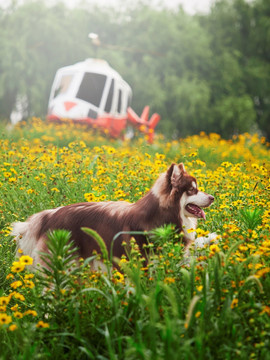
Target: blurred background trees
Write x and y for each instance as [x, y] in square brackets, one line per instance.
[200, 73]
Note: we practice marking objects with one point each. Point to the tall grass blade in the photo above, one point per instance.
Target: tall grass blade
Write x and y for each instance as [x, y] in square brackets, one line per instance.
[99, 241]
[191, 308]
[253, 278]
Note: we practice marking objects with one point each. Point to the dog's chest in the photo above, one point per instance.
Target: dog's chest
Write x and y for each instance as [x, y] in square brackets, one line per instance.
[189, 225]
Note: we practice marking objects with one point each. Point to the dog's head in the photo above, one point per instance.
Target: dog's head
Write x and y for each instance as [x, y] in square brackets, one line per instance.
[176, 186]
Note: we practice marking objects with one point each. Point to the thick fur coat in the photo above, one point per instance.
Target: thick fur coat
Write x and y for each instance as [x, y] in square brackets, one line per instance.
[173, 199]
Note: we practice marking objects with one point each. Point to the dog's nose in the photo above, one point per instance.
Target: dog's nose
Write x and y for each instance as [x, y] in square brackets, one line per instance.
[211, 198]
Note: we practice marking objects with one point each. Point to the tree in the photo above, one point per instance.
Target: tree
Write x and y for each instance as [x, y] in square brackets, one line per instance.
[36, 41]
[207, 72]
[240, 42]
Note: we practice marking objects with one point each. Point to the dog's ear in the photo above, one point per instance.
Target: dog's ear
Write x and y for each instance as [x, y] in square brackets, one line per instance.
[175, 173]
[182, 168]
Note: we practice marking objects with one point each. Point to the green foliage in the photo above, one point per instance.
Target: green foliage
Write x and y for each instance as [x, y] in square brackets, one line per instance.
[229, 108]
[201, 73]
[143, 313]
[213, 305]
[252, 218]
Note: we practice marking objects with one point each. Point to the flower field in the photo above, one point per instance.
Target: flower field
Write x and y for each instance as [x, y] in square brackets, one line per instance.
[214, 306]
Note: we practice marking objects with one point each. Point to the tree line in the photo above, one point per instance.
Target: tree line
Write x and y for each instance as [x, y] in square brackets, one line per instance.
[206, 72]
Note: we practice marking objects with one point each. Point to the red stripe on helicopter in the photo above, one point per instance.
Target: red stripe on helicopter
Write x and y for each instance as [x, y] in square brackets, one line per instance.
[69, 105]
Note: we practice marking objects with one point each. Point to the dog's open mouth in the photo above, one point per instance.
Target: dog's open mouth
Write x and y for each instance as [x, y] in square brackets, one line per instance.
[195, 210]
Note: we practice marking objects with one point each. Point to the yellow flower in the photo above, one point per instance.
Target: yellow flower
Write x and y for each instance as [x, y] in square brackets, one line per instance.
[10, 276]
[82, 144]
[71, 145]
[16, 284]
[13, 327]
[198, 314]
[5, 319]
[119, 277]
[262, 272]
[14, 308]
[111, 150]
[19, 296]
[214, 248]
[18, 314]
[29, 284]
[234, 303]
[42, 324]
[243, 248]
[26, 260]
[123, 260]
[89, 197]
[4, 300]
[28, 276]
[169, 280]
[55, 189]
[30, 312]
[12, 180]
[266, 310]
[102, 197]
[17, 267]
[160, 156]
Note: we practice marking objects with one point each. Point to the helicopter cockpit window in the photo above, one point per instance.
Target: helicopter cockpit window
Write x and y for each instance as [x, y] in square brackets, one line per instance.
[119, 106]
[108, 105]
[63, 86]
[91, 88]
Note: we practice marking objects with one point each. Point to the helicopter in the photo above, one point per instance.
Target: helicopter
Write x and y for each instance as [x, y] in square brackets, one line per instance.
[93, 93]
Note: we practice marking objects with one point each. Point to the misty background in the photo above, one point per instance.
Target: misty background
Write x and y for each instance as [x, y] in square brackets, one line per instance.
[202, 69]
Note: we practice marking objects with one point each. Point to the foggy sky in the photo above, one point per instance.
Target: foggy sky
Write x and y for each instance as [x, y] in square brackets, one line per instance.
[190, 6]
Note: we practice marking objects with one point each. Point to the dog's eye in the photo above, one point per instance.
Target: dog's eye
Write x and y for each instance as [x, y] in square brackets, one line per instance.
[192, 190]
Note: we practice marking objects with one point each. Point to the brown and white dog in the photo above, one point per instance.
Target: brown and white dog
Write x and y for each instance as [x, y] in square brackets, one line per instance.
[174, 199]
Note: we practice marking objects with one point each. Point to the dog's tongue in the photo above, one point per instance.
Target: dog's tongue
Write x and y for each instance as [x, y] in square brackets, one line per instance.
[203, 214]
[196, 210]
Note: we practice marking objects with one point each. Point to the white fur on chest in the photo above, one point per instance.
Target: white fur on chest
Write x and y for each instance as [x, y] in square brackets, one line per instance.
[188, 223]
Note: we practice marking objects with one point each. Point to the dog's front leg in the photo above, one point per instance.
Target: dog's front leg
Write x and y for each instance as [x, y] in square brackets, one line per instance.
[201, 241]
[188, 243]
